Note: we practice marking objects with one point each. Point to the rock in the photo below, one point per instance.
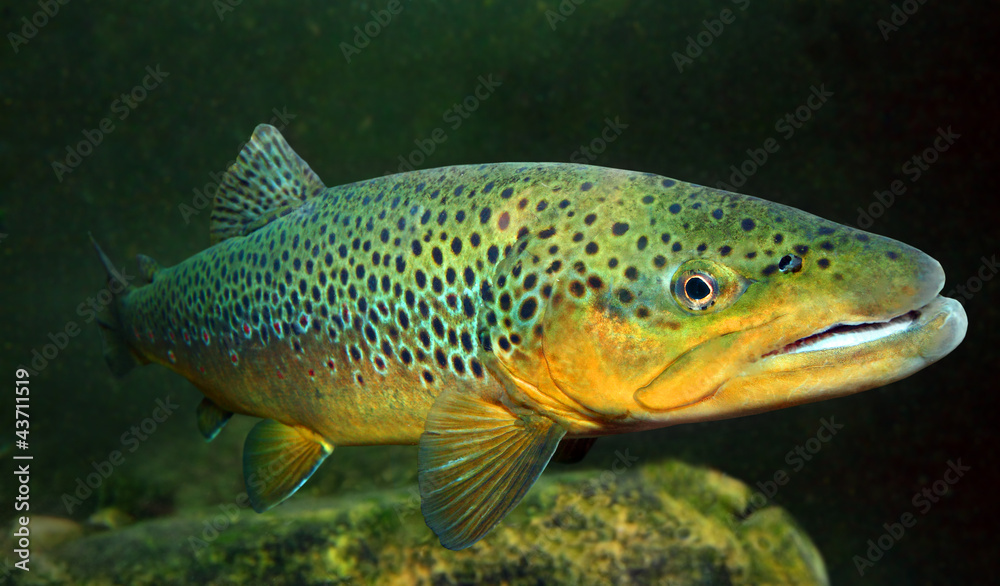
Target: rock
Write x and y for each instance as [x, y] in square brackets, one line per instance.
[47, 532]
[663, 522]
[109, 518]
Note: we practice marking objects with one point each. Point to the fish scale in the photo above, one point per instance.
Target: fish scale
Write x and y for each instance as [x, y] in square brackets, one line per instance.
[493, 312]
[384, 278]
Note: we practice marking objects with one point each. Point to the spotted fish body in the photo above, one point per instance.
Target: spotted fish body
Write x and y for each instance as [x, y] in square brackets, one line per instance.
[491, 312]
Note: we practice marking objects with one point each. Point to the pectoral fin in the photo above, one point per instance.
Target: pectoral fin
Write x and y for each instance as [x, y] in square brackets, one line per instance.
[211, 418]
[278, 459]
[478, 458]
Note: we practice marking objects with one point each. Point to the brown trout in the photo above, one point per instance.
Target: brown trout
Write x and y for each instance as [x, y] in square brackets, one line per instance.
[489, 313]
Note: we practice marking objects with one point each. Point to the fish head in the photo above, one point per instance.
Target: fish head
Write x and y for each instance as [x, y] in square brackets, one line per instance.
[730, 306]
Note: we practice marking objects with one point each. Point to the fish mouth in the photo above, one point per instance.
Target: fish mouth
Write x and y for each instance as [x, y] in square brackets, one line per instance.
[941, 313]
[843, 335]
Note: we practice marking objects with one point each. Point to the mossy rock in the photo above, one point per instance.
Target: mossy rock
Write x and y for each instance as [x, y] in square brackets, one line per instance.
[663, 522]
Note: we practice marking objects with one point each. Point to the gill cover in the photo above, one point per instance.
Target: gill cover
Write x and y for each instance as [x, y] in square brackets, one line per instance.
[576, 335]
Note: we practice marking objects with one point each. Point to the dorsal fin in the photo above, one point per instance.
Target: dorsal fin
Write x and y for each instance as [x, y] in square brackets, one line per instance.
[147, 268]
[268, 180]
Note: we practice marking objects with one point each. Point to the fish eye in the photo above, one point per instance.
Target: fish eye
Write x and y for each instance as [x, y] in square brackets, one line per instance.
[697, 290]
[790, 263]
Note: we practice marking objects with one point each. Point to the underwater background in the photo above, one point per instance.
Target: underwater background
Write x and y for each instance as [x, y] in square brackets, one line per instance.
[687, 95]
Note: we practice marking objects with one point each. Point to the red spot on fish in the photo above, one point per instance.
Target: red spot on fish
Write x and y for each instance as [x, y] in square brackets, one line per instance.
[503, 221]
[311, 372]
[202, 369]
[149, 334]
[234, 357]
[170, 334]
[246, 329]
[277, 327]
[187, 338]
[303, 321]
[171, 357]
[329, 363]
[280, 375]
[204, 337]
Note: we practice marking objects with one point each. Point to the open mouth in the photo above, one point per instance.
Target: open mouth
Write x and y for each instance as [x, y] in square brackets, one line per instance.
[844, 335]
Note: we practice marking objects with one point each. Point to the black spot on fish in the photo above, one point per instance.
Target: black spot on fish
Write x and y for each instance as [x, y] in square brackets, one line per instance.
[528, 307]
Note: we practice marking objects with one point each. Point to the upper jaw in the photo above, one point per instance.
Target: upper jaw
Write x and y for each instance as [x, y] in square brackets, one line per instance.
[941, 322]
[845, 334]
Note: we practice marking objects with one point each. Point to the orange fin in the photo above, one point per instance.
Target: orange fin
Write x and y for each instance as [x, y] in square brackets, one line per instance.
[278, 459]
[211, 418]
[478, 458]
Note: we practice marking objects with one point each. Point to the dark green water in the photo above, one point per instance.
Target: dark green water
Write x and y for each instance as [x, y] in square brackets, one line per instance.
[555, 82]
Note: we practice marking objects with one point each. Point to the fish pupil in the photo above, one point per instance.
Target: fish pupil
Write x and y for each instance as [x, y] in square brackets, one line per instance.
[697, 289]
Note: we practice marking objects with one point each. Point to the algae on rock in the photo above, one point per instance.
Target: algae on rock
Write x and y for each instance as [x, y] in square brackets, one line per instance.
[664, 522]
